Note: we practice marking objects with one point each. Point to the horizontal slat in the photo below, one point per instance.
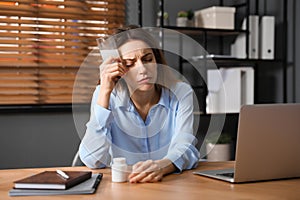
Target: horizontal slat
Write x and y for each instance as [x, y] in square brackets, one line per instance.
[42, 56]
[84, 94]
[58, 97]
[18, 70]
[15, 91]
[21, 63]
[16, 76]
[55, 91]
[56, 83]
[7, 55]
[75, 3]
[55, 76]
[19, 42]
[20, 99]
[19, 1]
[15, 62]
[17, 98]
[59, 64]
[58, 56]
[64, 99]
[108, 1]
[46, 70]
[18, 83]
[20, 7]
[56, 100]
[85, 81]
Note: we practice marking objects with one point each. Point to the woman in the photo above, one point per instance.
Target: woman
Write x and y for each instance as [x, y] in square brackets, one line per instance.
[140, 112]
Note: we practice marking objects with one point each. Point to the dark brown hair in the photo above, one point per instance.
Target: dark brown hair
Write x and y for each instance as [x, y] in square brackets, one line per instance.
[132, 32]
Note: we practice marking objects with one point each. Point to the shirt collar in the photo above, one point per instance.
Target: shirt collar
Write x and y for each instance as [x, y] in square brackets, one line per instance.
[164, 98]
[121, 99]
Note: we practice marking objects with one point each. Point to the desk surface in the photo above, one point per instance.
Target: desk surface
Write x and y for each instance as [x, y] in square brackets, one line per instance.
[176, 186]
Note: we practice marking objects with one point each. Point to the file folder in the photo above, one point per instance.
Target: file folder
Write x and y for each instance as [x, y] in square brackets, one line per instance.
[238, 48]
[229, 89]
[267, 37]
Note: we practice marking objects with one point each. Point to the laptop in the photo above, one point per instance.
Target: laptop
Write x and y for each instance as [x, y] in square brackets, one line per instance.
[268, 145]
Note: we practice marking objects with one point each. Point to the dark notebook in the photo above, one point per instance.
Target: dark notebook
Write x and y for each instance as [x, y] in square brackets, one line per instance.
[87, 187]
[52, 180]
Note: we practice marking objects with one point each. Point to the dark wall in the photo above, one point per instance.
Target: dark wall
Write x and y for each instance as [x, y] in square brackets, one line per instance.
[30, 139]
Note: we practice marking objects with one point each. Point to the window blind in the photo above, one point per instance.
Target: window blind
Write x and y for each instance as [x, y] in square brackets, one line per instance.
[43, 43]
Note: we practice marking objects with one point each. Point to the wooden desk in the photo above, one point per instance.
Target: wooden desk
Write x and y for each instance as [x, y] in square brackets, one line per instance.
[176, 186]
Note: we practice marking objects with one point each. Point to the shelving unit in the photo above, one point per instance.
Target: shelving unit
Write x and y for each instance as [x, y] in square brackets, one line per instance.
[221, 33]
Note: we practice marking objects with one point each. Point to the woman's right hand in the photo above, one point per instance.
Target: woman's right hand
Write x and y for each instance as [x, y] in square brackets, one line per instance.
[110, 72]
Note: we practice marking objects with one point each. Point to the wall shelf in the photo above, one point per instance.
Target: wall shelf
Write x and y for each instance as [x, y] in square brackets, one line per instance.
[209, 32]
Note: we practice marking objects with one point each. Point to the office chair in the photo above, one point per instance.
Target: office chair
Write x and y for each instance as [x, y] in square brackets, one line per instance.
[76, 160]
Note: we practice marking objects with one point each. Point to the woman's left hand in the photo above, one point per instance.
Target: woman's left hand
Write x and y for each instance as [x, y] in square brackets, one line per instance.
[150, 171]
[146, 171]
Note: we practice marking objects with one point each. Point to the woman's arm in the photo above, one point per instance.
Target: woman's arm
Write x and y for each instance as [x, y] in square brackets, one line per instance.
[110, 71]
[94, 147]
[182, 151]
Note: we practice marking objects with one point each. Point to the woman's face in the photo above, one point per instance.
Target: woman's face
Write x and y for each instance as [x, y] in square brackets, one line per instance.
[139, 58]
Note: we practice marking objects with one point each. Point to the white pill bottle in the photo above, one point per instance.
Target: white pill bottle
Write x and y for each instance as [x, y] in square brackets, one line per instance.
[119, 170]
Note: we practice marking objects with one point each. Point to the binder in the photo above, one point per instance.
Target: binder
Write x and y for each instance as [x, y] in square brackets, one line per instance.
[229, 89]
[267, 37]
[238, 48]
[253, 36]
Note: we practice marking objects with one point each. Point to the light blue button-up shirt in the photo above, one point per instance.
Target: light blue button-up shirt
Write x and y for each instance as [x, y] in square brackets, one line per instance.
[119, 131]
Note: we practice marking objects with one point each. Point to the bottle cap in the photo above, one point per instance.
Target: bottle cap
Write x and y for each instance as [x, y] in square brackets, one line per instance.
[119, 161]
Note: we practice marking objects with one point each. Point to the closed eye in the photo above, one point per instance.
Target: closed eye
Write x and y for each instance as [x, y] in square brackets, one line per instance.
[147, 58]
[129, 62]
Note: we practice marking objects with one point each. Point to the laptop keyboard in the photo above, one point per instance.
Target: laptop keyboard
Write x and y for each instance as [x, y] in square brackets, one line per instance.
[230, 175]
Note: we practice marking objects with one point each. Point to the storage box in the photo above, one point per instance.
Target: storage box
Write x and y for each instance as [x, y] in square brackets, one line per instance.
[215, 17]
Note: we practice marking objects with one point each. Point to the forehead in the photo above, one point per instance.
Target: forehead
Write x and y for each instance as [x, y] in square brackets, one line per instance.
[133, 47]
